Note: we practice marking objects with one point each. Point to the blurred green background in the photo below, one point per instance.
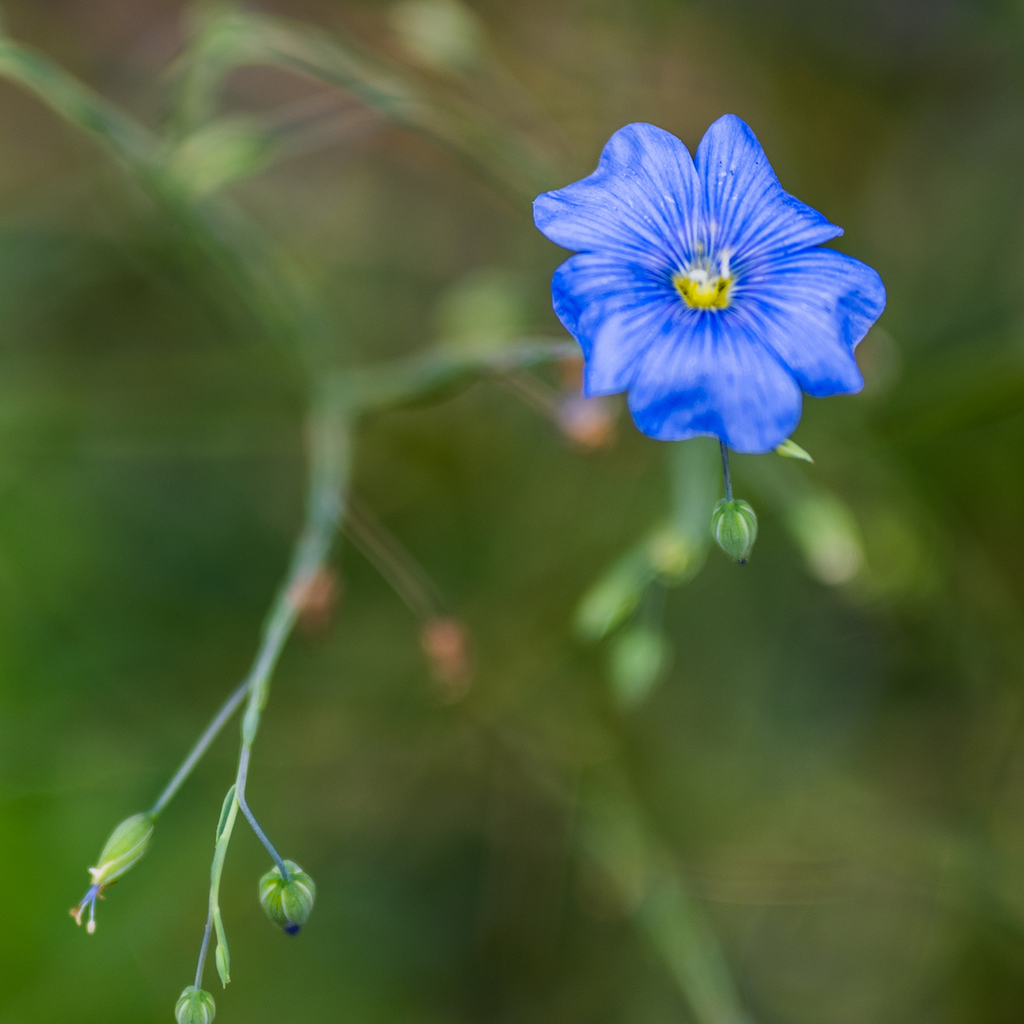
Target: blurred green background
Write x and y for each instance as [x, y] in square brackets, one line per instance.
[833, 761]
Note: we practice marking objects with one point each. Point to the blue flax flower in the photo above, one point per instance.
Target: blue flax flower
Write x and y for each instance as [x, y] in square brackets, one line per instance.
[699, 286]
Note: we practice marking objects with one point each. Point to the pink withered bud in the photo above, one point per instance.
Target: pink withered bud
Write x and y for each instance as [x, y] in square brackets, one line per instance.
[446, 645]
[315, 597]
[587, 422]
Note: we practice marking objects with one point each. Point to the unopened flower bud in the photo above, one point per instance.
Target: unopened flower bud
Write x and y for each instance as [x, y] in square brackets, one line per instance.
[195, 1006]
[288, 904]
[734, 525]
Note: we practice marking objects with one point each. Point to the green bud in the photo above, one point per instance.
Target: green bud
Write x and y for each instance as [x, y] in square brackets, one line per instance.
[615, 595]
[639, 658]
[222, 958]
[670, 553]
[734, 525]
[219, 153]
[288, 904]
[482, 312]
[126, 845]
[195, 1006]
[827, 532]
[443, 34]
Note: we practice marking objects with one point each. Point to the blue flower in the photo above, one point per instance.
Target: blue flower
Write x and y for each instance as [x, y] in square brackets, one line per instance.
[701, 289]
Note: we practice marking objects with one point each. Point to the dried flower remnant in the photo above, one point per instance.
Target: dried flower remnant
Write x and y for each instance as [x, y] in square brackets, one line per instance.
[587, 422]
[315, 598]
[445, 644]
[122, 851]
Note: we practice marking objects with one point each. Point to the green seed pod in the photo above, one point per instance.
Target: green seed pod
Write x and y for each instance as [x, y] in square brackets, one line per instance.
[195, 1006]
[734, 525]
[288, 904]
[126, 845]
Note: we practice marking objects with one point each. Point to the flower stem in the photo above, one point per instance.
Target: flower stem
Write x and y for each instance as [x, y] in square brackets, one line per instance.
[725, 470]
[228, 708]
[329, 471]
[203, 949]
[243, 770]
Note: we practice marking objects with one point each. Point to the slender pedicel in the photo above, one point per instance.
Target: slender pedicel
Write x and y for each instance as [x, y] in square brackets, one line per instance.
[243, 771]
[210, 733]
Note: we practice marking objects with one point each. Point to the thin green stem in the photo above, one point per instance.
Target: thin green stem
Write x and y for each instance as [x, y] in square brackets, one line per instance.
[228, 708]
[330, 462]
[243, 771]
[204, 949]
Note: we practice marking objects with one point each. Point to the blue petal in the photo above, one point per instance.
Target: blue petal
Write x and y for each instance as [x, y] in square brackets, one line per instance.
[643, 200]
[811, 308]
[611, 307]
[746, 209]
[710, 376]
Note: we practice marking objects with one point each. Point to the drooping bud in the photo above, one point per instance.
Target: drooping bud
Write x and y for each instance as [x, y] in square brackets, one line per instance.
[125, 847]
[288, 904]
[734, 525]
[195, 1006]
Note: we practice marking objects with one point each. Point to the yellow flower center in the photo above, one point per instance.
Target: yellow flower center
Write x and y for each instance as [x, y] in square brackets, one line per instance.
[703, 285]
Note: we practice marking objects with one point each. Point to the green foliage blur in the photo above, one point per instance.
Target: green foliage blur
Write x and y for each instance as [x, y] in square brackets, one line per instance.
[791, 791]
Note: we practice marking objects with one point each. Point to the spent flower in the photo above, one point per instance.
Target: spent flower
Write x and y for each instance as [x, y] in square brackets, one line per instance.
[700, 287]
[125, 847]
